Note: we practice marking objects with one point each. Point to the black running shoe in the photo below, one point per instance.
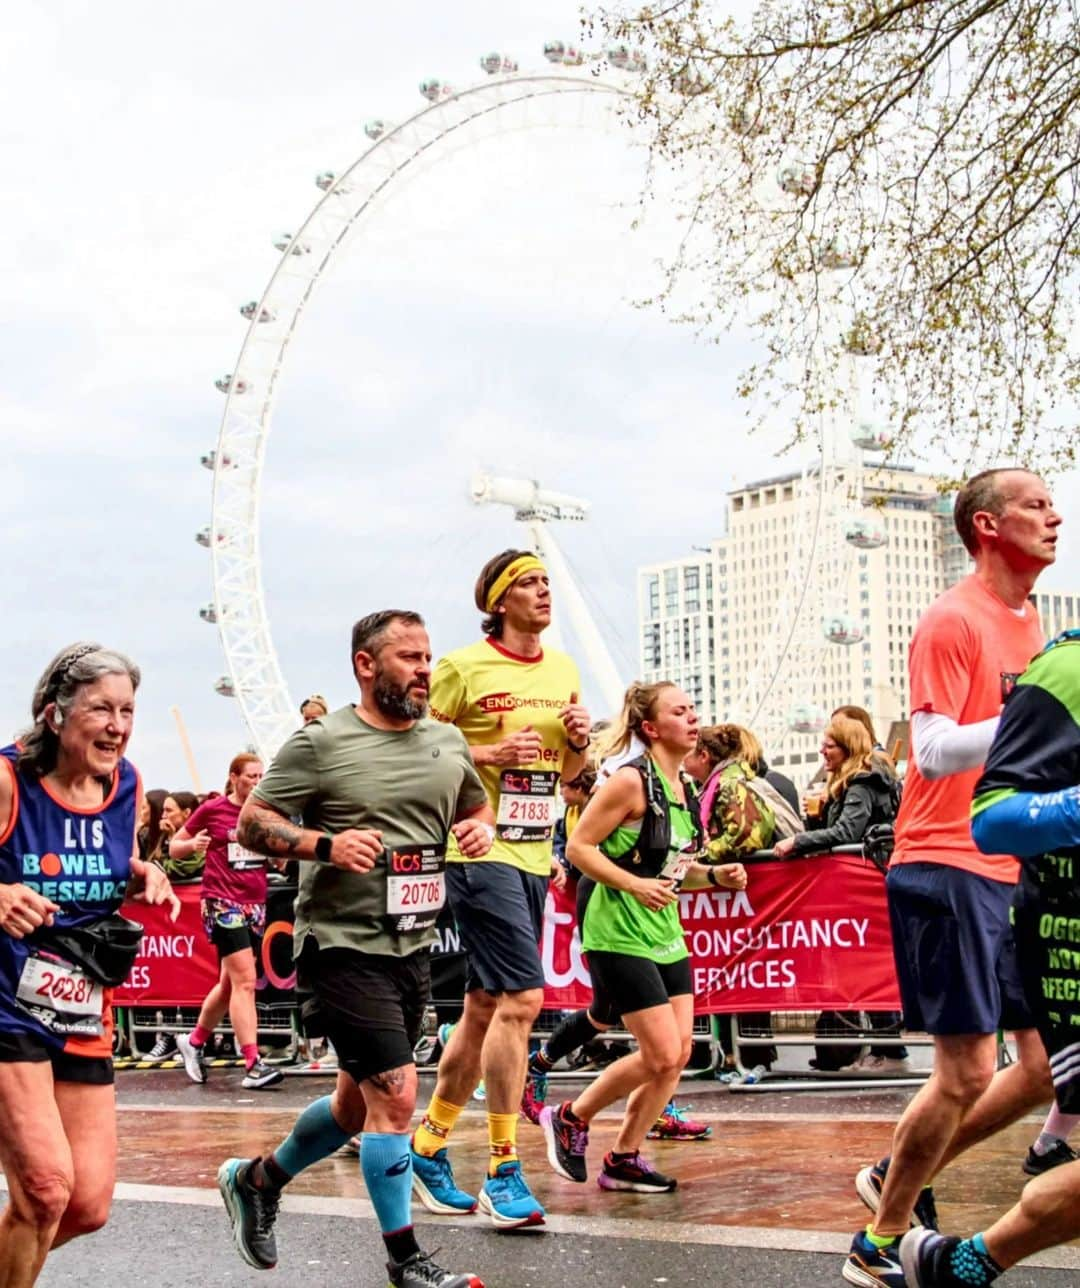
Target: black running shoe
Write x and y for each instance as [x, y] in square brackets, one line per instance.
[636, 1174]
[932, 1260]
[871, 1181]
[567, 1142]
[261, 1075]
[421, 1272]
[1036, 1164]
[164, 1048]
[252, 1213]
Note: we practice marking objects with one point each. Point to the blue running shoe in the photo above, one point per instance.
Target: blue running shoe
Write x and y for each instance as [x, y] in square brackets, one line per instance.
[871, 1181]
[252, 1213]
[871, 1267]
[433, 1184]
[507, 1199]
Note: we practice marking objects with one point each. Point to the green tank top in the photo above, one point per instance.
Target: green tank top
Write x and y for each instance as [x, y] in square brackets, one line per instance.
[615, 922]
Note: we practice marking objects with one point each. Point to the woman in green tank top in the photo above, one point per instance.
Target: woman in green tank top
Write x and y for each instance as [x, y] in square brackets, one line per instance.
[638, 840]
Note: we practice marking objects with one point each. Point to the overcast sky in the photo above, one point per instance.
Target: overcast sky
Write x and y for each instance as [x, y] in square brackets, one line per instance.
[481, 318]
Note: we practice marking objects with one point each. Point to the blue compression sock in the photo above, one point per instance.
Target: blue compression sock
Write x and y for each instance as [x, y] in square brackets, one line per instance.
[386, 1161]
[315, 1135]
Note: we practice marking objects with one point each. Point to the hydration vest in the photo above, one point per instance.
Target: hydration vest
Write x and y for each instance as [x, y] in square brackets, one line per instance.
[648, 857]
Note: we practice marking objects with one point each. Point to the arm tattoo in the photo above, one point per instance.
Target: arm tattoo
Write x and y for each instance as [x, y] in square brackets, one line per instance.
[265, 831]
[389, 1083]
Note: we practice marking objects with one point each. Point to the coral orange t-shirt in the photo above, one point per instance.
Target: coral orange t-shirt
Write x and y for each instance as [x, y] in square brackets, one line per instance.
[966, 653]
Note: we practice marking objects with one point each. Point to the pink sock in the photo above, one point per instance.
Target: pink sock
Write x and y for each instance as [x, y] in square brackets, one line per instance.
[250, 1052]
[200, 1036]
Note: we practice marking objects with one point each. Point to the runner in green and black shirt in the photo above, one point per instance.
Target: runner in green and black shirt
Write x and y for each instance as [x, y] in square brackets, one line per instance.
[640, 841]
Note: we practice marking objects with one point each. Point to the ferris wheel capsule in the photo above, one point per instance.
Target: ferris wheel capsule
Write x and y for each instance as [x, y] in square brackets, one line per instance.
[749, 120]
[224, 685]
[862, 340]
[286, 241]
[638, 61]
[202, 537]
[834, 254]
[226, 384]
[434, 89]
[554, 50]
[375, 129]
[325, 180]
[208, 460]
[491, 63]
[208, 613]
[796, 178]
[841, 628]
[572, 57]
[870, 437]
[807, 717]
[618, 56]
[865, 531]
[252, 312]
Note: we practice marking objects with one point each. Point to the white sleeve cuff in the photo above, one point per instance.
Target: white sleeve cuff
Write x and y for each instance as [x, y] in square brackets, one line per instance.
[942, 747]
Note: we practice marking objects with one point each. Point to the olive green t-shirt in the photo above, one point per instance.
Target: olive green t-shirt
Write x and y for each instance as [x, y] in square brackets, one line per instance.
[340, 772]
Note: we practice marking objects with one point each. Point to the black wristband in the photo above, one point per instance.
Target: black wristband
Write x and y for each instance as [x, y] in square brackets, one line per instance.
[322, 848]
[710, 876]
[578, 751]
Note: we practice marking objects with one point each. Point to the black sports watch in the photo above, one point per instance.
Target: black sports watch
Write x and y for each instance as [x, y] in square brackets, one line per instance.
[322, 848]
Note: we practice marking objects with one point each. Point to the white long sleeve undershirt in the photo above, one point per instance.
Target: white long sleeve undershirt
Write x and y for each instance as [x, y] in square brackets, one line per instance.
[943, 747]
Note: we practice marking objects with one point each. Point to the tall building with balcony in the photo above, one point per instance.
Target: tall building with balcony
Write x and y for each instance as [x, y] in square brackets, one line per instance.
[703, 618]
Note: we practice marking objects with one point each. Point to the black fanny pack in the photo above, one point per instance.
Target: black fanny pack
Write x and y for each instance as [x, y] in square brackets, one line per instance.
[105, 950]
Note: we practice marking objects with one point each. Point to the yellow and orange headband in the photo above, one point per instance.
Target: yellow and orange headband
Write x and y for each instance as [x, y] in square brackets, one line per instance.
[511, 573]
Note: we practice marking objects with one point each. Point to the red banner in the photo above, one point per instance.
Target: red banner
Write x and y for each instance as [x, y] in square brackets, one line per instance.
[806, 935]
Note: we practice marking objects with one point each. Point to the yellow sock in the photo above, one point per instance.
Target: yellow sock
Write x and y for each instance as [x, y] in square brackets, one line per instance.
[502, 1133]
[435, 1126]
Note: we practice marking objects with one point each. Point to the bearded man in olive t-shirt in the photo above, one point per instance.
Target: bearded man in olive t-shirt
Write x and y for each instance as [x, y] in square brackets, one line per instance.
[379, 789]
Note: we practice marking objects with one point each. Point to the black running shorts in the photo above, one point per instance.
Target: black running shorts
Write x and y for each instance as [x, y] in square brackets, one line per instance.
[370, 1005]
[631, 984]
[24, 1048]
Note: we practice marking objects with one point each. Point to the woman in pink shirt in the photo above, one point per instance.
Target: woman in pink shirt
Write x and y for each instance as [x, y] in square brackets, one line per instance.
[233, 914]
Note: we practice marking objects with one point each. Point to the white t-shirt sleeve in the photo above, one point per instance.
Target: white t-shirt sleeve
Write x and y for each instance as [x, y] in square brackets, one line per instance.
[943, 747]
[610, 764]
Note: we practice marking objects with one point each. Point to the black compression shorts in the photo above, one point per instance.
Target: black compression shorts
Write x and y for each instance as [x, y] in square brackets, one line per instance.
[370, 1005]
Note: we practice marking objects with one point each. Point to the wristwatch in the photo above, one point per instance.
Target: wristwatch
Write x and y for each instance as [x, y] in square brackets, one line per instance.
[322, 848]
[578, 751]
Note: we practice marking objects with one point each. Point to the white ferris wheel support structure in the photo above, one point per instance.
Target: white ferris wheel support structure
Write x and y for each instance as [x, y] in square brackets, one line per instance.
[537, 508]
[254, 675]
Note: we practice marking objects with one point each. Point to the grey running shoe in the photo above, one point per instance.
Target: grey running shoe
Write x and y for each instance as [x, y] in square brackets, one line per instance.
[192, 1056]
[421, 1272]
[252, 1213]
[260, 1076]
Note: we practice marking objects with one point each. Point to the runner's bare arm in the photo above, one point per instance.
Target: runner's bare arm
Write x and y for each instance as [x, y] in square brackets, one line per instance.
[265, 830]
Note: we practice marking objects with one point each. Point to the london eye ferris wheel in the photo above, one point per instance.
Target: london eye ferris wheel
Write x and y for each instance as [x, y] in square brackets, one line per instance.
[807, 622]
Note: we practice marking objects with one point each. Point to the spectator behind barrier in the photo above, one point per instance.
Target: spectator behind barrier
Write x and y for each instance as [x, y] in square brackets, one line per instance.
[860, 793]
[149, 826]
[175, 812]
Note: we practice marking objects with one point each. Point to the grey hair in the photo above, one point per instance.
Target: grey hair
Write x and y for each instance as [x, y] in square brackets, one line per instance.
[70, 669]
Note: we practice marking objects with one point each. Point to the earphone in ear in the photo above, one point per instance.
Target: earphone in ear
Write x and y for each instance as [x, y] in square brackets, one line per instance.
[58, 717]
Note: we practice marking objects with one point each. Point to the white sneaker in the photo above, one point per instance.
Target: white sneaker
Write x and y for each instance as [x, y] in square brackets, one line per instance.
[192, 1056]
[860, 1065]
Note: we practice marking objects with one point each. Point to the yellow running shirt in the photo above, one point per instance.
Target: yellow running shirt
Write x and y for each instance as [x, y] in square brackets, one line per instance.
[490, 693]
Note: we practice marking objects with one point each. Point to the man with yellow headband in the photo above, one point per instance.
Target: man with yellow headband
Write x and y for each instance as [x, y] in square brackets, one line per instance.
[517, 705]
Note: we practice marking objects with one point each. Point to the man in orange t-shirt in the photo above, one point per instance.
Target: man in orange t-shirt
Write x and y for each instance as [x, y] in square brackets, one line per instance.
[949, 904]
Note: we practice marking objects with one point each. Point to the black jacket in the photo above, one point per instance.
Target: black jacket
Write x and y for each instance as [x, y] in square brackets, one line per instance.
[869, 799]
